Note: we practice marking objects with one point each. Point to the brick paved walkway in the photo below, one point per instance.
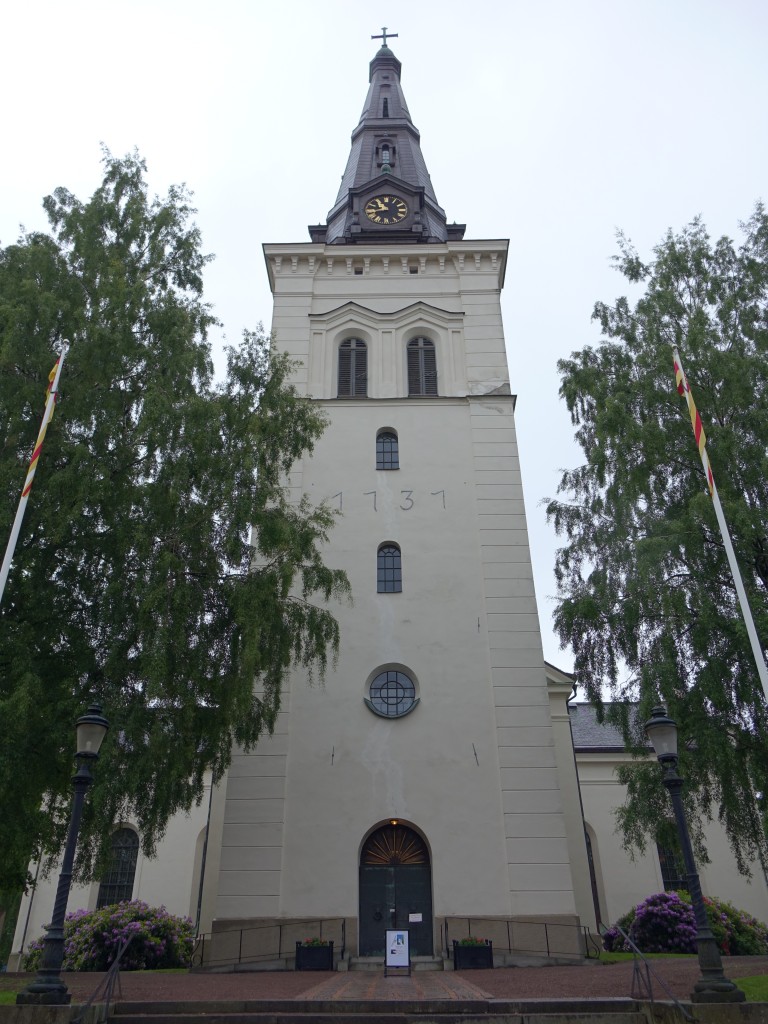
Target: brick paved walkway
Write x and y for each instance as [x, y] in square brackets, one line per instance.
[577, 982]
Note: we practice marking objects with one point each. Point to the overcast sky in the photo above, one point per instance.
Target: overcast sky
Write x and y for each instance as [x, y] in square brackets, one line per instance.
[552, 124]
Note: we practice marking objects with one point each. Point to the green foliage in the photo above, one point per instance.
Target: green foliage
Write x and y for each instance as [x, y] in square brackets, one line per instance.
[736, 931]
[646, 600]
[9, 911]
[665, 923]
[134, 580]
[92, 939]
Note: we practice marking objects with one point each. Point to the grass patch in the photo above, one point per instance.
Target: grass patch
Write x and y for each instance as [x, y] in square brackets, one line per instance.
[7, 998]
[755, 987]
[622, 958]
[163, 970]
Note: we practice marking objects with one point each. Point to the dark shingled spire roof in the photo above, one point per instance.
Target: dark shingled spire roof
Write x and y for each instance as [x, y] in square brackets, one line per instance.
[386, 120]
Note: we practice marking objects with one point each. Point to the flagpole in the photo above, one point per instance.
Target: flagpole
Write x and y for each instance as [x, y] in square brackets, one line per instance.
[757, 651]
[746, 612]
[16, 528]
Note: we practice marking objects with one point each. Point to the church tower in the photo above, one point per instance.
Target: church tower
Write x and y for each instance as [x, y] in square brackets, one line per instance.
[419, 784]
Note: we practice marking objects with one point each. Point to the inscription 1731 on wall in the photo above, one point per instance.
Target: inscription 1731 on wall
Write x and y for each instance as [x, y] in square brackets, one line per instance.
[408, 499]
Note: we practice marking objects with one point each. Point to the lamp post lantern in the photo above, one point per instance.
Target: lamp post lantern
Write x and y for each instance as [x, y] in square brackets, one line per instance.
[713, 986]
[48, 987]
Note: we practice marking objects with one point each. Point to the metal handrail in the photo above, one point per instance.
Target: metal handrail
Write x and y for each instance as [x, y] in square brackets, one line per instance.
[107, 984]
[278, 950]
[547, 949]
[642, 986]
[593, 949]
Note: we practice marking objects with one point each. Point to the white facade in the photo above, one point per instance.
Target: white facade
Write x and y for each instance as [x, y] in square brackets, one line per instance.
[472, 769]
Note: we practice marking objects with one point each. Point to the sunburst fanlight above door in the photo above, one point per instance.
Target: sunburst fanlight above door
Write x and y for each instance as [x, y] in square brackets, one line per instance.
[394, 844]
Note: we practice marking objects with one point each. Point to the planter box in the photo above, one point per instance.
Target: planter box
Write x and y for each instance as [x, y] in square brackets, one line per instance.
[314, 958]
[472, 957]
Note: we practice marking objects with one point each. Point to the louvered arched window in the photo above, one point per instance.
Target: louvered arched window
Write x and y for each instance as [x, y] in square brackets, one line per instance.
[117, 883]
[353, 368]
[422, 367]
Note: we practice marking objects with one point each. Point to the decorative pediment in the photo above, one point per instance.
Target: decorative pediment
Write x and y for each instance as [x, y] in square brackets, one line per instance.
[353, 313]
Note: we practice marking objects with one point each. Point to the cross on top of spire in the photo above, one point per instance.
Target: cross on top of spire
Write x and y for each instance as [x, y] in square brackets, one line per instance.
[383, 36]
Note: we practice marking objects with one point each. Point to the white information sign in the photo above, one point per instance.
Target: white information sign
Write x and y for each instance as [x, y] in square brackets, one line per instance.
[414, 919]
[397, 949]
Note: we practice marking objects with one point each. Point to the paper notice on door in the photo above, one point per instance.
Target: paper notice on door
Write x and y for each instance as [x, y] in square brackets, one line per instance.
[414, 919]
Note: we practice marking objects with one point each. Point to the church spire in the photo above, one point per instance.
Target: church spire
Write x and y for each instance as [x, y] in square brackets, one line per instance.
[385, 174]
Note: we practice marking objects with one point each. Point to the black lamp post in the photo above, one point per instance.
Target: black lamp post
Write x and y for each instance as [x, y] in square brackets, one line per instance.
[713, 986]
[48, 986]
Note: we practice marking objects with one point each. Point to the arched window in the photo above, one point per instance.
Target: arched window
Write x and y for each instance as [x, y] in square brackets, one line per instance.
[389, 572]
[422, 367]
[117, 884]
[672, 868]
[353, 369]
[387, 450]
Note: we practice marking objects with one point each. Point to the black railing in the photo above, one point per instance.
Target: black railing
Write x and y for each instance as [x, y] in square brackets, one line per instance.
[642, 973]
[265, 943]
[525, 938]
[105, 990]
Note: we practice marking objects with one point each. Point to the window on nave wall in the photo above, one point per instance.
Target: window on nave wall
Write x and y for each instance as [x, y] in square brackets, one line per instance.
[117, 883]
[422, 367]
[672, 868]
[353, 368]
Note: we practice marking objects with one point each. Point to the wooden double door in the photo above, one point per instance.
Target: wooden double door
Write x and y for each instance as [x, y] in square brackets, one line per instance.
[395, 890]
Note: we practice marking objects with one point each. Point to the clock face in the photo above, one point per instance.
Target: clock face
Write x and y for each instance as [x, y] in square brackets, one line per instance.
[386, 209]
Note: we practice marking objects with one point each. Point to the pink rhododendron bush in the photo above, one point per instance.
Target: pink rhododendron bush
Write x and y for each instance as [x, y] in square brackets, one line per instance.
[665, 923]
[92, 939]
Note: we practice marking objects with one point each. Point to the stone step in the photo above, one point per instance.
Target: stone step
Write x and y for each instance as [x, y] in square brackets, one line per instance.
[405, 1011]
[376, 963]
[343, 1015]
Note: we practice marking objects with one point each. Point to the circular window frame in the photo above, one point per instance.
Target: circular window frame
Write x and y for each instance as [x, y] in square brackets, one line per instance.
[380, 705]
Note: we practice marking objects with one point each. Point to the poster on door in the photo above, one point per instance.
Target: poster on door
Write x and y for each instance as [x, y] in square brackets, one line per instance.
[397, 949]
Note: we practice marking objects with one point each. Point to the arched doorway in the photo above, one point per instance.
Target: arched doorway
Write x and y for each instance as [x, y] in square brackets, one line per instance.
[395, 890]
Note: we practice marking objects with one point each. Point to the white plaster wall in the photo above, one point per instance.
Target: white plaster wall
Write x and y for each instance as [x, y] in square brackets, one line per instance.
[421, 768]
[165, 880]
[627, 881]
[559, 692]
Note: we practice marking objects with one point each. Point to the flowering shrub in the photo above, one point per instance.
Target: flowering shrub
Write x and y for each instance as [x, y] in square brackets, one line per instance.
[315, 941]
[92, 939]
[737, 933]
[665, 923]
[472, 940]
